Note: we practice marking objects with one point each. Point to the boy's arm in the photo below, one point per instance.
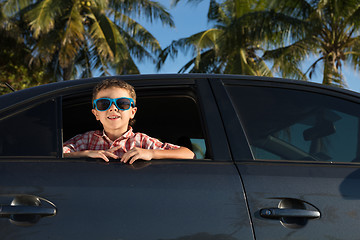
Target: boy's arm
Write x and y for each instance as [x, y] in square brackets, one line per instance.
[148, 154]
[180, 153]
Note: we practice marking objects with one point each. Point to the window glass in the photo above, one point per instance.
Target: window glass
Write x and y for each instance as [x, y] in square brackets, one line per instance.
[198, 147]
[29, 132]
[286, 124]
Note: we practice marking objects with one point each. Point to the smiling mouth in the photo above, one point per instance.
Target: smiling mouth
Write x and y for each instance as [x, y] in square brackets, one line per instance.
[113, 117]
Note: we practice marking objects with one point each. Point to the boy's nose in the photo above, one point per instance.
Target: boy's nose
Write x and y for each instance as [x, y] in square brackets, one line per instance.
[113, 107]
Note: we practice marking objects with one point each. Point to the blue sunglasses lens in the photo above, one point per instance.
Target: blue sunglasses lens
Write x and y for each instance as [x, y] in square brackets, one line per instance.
[123, 103]
[103, 104]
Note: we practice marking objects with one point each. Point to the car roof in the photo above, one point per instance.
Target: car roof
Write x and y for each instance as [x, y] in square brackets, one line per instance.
[57, 88]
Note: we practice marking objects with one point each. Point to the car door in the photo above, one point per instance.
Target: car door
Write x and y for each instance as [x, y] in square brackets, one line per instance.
[302, 181]
[44, 196]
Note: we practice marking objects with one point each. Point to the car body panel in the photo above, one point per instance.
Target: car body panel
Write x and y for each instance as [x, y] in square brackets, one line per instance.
[147, 200]
[327, 188]
[332, 190]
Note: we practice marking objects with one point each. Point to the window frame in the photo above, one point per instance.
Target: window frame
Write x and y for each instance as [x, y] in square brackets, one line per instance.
[291, 85]
[207, 109]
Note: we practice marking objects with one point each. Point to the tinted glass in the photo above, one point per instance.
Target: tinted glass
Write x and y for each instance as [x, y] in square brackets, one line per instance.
[298, 125]
[30, 132]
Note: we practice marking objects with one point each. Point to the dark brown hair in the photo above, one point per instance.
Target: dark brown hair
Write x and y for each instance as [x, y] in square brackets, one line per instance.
[114, 82]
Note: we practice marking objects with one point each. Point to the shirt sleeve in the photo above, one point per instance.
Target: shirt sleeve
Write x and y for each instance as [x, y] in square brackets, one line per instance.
[77, 143]
[154, 143]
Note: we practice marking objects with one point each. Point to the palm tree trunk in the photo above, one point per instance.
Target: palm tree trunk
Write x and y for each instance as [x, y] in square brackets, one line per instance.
[331, 72]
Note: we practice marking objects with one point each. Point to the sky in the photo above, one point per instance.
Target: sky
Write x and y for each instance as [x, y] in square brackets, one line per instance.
[189, 19]
[192, 18]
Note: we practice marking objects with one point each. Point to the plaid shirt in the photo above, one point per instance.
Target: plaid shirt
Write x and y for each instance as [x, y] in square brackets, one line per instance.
[97, 140]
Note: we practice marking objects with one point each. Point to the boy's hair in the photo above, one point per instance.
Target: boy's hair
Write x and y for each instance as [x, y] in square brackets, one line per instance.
[108, 83]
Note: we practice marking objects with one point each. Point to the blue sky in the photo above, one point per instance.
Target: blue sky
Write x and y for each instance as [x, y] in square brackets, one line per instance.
[190, 19]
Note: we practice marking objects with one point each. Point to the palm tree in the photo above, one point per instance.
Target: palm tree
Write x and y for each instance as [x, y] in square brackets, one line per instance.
[16, 70]
[229, 47]
[290, 31]
[88, 35]
[326, 29]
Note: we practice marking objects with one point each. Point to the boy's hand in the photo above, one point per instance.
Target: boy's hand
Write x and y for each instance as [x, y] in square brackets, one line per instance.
[103, 154]
[137, 153]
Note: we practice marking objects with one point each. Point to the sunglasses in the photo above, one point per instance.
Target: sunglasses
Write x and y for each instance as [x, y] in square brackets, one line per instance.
[123, 103]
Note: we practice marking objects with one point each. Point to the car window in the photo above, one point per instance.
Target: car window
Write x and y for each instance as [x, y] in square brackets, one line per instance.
[170, 115]
[29, 131]
[288, 124]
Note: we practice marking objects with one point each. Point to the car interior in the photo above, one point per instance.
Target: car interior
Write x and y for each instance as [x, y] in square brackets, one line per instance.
[170, 115]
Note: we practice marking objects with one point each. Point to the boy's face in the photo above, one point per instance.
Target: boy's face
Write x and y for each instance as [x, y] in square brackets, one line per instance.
[114, 121]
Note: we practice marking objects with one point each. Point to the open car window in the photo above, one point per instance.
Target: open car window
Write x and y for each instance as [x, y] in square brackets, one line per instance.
[288, 124]
[171, 115]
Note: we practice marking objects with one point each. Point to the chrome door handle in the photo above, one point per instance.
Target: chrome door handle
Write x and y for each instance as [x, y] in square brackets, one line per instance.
[6, 210]
[275, 213]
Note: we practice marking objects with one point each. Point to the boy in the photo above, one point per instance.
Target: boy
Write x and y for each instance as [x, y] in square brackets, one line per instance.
[114, 106]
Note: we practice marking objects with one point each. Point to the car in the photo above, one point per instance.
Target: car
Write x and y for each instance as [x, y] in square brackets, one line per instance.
[275, 159]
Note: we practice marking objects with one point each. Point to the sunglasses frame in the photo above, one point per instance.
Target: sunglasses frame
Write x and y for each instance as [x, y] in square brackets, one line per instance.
[113, 100]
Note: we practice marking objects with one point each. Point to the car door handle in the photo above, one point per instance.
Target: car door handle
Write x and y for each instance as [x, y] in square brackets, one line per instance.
[6, 210]
[27, 210]
[275, 213]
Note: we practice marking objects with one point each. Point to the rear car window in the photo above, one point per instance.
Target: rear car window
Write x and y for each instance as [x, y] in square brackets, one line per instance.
[288, 124]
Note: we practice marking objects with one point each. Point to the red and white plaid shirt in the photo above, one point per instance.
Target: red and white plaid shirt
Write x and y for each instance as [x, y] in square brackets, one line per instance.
[97, 140]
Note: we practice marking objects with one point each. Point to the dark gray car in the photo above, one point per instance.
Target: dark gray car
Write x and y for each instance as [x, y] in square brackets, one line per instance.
[276, 159]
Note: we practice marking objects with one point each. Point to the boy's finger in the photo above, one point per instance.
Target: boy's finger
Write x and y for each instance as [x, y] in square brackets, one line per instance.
[110, 154]
[134, 158]
[103, 156]
[127, 156]
[124, 158]
[113, 149]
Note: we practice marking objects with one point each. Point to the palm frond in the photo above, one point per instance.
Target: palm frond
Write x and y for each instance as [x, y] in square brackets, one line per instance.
[287, 60]
[353, 54]
[300, 9]
[72, 38]
[103, 45]
[42, 16]
[149, 10]
[11, 7]
[184, 45]
[83, 62]
[135, 30]
[354, 16]
[129, 48]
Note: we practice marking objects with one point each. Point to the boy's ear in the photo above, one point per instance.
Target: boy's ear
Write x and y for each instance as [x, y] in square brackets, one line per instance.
[95, 114]
[133, 111]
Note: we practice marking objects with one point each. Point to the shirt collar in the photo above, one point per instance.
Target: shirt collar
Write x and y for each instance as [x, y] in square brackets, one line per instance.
[127, 134]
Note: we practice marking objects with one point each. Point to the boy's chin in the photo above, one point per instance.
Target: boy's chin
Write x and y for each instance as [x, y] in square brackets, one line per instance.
[116, 130]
